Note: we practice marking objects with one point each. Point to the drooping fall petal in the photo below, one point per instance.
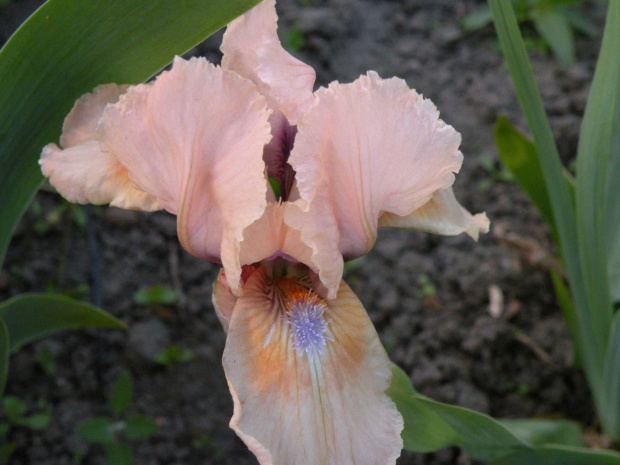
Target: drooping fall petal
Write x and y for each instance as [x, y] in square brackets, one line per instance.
[80, 171]
[442, 214]
[194, 139]
[308, 378]
[252, 49]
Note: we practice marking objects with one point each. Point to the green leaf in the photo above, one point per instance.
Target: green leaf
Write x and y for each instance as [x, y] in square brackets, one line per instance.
[67, 48]
[37, 421]
[612, 375]
[483, 438]
[118, 453]
[553, 26]
[14, 408]
[122, 393]
[5, 349]
[542, 431]
[155, 295]
[97, 430]
[30, 316]
[589, 330]
[477, 19]
[174, 354]
[140, 427]
[568, 309]
[424, 430]
[520, 157]
[6, 451]
[600, 121]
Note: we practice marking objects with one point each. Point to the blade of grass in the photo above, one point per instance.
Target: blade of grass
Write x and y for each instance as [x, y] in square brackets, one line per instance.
[591, 338]
[593, 154]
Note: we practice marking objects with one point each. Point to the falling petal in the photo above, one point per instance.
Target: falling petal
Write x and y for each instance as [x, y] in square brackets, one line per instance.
[309, 387]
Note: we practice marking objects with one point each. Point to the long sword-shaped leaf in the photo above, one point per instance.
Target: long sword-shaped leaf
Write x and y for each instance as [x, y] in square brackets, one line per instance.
[593, 155]
[519, 155]
[431, 425]
[591, 334]
[4, 355]
[66, 49]
[612, 379]
[30, 316]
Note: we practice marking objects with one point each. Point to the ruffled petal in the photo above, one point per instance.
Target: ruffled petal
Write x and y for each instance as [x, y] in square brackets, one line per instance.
[85, 174]
[309, 388]
[223, 299]
[371, 147]
[318, 229]
[82, 173]
[81, 122]
[269, 238]
[194, 139]
[252, 48]
[442, 214]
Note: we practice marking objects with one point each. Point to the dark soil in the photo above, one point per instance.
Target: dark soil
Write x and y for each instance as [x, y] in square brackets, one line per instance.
[427, 295]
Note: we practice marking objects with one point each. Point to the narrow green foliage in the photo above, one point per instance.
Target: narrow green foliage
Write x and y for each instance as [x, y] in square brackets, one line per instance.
[139, 427]
[118, 453]
[431, 425]
[19, 413]
[596, 138]
[5, 349]
[98, 430]
[112, 432]
[31, 316]
[612, 376]
[156, 295]
[555, 28]
[520, 157]
[121, 396]
[174, 355]
[46, 360]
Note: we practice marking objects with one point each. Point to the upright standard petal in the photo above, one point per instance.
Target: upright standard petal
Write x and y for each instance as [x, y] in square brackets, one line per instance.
[371, 147]
[252, 49]
[80, 171]
[194, 139]
[308, 377]
[442, 214]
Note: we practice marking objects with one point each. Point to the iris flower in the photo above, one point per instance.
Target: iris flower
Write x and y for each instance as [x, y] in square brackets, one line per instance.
[281, 185]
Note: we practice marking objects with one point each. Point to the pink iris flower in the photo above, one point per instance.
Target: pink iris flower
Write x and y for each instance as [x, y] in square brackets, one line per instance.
[304, 364]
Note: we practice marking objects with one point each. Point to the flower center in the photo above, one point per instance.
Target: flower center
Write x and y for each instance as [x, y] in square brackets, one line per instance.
[305, 316]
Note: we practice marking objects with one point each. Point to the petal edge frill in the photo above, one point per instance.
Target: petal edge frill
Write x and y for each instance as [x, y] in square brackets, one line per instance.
[194, 139]
[320, 407]
[372, 146]
[252, 49]
[80, 171]
[442, 214]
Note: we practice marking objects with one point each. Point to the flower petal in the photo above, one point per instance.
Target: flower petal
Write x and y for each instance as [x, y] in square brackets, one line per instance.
[223, 299]
[320, 407]
[194, 139]
[85, 174]
[81, 122]
[371, 147]
[269, 237]
[442, 214]
[81, 172]
[252, 49]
